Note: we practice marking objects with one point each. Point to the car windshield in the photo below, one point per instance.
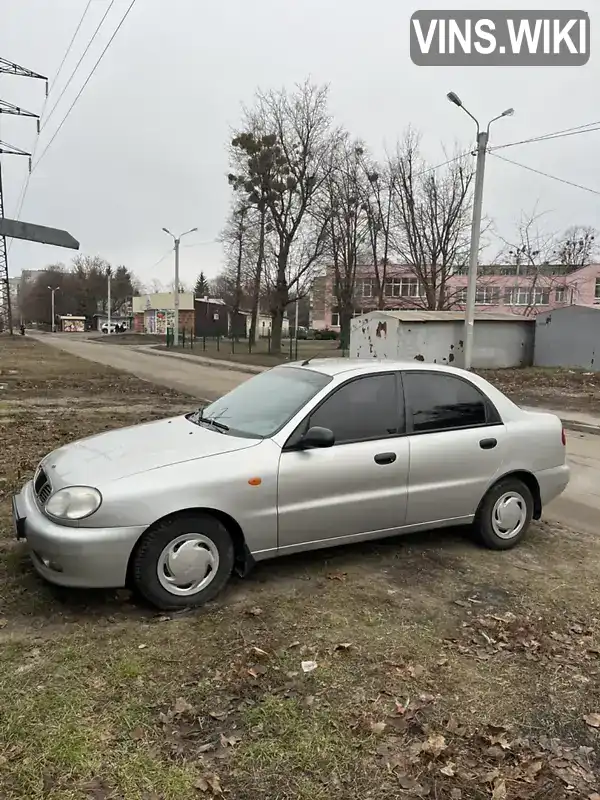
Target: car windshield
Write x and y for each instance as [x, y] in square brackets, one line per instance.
[259, 407]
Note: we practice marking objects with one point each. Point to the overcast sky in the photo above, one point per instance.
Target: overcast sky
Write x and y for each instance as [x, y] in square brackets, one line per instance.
[145, 146]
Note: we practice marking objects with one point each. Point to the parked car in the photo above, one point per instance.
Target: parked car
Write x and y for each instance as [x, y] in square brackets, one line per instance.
[302, 456]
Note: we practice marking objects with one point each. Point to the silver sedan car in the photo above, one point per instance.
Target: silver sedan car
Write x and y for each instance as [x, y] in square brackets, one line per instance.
[303, 456]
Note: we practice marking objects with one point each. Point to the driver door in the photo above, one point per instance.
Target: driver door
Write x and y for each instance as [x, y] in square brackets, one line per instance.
[358, 487]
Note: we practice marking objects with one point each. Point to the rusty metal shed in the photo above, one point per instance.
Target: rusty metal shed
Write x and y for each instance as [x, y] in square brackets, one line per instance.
[500, 340]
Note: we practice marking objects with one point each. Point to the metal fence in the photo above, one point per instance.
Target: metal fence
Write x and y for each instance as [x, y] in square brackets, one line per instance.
[291, 349]
[232, 344]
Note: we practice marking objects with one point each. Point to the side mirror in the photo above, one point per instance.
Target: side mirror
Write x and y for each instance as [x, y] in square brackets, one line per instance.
[317, 437]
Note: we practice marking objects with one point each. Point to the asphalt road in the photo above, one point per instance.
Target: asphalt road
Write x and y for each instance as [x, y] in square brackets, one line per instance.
[578, 507]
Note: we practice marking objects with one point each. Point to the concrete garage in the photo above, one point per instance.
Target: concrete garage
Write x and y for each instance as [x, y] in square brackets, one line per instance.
[568, 337]
[500, 340]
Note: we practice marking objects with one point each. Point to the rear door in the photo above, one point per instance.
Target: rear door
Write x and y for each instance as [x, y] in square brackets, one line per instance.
[357, 487]
[457, 446]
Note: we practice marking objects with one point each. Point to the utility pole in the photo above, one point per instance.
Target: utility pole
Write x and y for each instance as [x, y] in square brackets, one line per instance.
[177, 240]
[108, 302]
[53, 314]
[482, 143]
[10, 68]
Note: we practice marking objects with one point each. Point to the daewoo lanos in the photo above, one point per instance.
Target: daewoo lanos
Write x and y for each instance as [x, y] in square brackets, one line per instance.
[300, 457]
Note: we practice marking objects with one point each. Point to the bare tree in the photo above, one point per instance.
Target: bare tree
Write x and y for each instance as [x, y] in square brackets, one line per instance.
[432, 209]
[533, 255]
[346, 222]
[578, 247]
[377, 203]
[298, 134]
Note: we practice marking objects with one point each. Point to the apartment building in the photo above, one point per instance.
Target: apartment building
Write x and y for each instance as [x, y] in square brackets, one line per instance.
[500, 289]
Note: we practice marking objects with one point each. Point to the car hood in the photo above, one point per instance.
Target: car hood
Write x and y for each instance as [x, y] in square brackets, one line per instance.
[127, 451]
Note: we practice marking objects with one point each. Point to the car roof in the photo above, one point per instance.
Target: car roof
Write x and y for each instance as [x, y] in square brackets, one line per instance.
[337, 366]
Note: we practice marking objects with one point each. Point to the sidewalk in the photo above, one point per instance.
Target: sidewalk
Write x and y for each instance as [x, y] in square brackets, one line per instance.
[572, 420]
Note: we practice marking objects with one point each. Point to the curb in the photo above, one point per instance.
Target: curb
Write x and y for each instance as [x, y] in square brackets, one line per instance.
[249, 369]
[580, 427]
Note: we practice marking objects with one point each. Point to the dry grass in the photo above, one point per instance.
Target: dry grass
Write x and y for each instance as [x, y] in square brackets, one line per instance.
[421, 644]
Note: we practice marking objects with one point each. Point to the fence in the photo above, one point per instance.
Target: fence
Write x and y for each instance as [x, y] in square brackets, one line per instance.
[232, 344]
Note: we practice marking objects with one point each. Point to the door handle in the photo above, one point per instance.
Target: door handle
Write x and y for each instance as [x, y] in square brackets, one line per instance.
[488, 444]
[385, 458]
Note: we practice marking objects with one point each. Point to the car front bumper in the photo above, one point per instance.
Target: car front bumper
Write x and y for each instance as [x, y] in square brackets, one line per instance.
[90, 558]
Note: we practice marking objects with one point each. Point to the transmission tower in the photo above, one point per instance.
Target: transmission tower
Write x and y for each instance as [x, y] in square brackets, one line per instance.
[10, 68]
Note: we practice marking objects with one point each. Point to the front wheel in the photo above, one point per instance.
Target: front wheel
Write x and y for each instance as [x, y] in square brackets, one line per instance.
[183, 562]
[504, 515]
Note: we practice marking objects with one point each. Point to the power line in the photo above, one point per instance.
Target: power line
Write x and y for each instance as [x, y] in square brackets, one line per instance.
[444, 164]
[556, 135]
[547, 175]
[25, 186]
[70, 45]
[83, 55]
[87, 80]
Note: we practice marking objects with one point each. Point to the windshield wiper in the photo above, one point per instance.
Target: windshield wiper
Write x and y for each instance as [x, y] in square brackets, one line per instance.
[198, 416]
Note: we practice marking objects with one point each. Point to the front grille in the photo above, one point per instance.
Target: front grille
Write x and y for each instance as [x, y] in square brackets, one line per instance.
[42, 487]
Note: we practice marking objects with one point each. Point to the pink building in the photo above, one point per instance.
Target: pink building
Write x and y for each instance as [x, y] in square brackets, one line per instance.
[500, 289]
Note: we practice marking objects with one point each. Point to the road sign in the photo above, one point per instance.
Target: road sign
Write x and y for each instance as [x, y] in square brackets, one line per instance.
[37, 233]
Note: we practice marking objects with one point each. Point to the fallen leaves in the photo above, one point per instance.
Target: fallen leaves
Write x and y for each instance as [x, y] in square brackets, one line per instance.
[378, 728]
[593, 720]
[499, 792]
[210, 783]
[309, 666]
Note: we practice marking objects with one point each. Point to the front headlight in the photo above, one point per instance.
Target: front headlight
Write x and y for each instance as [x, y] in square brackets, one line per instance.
[74, 502]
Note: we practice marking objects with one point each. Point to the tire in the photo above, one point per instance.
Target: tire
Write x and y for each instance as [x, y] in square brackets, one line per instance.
[203, 546]
[518, 504]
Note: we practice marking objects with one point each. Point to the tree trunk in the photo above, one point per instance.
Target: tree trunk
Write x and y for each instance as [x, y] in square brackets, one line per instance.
[237, 300]
[346, 311]
[257, 278]
[279, 304]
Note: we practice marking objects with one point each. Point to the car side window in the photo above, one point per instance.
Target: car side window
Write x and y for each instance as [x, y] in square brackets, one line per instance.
[365, 408]
[443, 402]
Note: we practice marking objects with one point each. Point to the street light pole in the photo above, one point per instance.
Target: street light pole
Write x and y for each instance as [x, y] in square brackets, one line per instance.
[482, 143]
[53, 316]
[108, 297]
[176, 240]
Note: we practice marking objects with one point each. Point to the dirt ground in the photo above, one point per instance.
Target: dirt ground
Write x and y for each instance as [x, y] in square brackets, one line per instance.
[443, 671]
[568, 389]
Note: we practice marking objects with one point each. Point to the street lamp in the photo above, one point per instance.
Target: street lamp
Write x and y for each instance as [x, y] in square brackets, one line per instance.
[482, 142]
[176, 240]
[53, 317]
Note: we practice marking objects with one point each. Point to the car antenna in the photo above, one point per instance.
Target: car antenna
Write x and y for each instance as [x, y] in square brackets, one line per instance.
[307, 361]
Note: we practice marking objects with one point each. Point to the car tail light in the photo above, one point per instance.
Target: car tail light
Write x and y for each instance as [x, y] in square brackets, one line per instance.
[564, 437]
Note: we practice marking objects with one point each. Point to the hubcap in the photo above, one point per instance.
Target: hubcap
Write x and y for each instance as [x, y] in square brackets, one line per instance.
[509, 515]
[188, 564]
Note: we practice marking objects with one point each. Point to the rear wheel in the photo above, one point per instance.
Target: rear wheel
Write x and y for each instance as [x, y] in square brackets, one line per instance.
[183, 562]
[504, 515]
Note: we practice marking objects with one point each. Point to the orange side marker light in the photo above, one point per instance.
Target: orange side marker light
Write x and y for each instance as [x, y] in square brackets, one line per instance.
[255, 481]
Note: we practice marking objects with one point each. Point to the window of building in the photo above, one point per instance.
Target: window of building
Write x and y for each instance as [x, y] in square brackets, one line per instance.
[365, 287]
[484, 295]
[442, 402]
[525, 296]
[540, 297]
[403, 287]
[597, 291]
[335, 314]
[560, 294]
[367, 408]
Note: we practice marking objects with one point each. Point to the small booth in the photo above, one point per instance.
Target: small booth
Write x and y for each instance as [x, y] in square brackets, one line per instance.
[71, 324]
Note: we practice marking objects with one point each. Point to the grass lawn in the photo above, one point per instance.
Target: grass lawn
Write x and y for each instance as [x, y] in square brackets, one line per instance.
[442, 670]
